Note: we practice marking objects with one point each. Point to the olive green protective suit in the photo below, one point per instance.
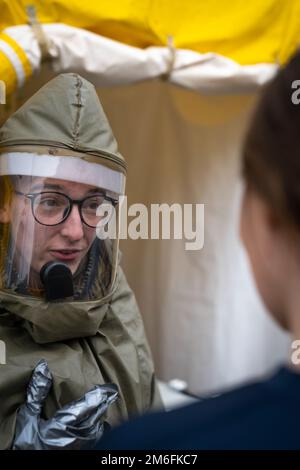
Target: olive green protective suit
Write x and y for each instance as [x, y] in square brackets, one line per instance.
[84, 342]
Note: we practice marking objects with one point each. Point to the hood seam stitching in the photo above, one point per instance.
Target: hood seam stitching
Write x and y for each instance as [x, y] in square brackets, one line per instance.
[78, 86]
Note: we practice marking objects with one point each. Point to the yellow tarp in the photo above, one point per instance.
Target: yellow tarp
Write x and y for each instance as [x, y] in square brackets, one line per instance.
[7, 70]
[248, 32]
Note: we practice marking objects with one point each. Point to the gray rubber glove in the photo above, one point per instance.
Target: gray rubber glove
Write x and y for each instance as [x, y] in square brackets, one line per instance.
[78, 425]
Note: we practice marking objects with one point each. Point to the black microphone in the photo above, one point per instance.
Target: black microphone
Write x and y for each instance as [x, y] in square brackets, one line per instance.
[58, 281]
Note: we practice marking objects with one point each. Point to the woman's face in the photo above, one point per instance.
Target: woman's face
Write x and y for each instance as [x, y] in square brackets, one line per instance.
[68, 242]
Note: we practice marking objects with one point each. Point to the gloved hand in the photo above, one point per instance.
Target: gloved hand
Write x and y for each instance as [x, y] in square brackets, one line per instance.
[77, 425]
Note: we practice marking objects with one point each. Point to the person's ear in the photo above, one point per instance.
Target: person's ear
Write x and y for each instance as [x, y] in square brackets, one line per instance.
[5, 214]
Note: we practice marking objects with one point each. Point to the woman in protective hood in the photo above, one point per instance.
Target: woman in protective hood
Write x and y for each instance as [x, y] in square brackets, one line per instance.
[76, 352]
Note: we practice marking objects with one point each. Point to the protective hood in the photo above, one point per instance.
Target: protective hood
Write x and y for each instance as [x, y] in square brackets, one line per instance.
[64, 114]
[61, 176]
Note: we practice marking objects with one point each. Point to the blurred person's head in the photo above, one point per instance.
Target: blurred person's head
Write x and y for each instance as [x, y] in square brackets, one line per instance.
[270, 219]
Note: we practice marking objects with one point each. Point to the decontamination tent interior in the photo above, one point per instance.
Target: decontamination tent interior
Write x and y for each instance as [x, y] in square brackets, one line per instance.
[178, 81]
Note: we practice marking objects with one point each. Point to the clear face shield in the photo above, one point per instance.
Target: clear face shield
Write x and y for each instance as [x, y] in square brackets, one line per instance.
[54, 219]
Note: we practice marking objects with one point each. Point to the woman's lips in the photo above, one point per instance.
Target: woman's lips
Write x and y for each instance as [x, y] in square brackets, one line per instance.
[66, 255]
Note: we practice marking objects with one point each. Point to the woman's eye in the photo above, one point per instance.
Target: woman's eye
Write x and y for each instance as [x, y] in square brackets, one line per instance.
[47, 203]
[92, 206]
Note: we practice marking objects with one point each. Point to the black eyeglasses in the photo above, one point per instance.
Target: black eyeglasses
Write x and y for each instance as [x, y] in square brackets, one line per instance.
[52, 208]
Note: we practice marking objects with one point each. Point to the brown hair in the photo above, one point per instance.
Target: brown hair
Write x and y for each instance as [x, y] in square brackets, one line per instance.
[6, 191]
[271, 160]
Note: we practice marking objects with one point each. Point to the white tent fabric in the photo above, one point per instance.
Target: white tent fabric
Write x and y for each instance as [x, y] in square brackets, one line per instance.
[106, 62]
[204, 320]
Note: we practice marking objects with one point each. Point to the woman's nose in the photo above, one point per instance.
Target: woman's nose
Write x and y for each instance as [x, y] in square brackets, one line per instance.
[72, 227]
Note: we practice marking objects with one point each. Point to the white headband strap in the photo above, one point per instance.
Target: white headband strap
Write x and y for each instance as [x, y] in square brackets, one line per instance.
[62, 167]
